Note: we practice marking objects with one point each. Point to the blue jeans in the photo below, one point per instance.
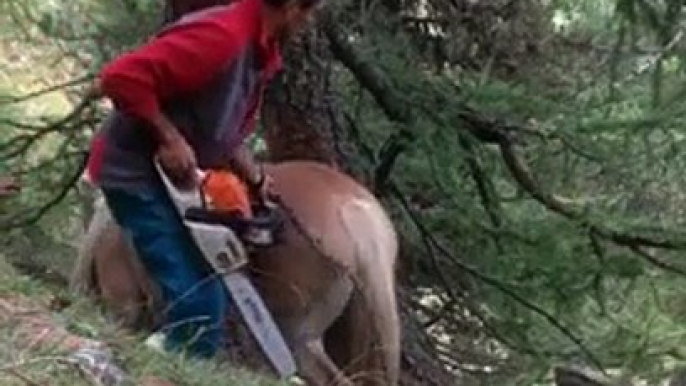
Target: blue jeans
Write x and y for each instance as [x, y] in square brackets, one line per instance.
[196, 299]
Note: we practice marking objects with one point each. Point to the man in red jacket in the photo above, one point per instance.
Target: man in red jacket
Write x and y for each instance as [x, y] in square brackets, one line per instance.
[189, 97]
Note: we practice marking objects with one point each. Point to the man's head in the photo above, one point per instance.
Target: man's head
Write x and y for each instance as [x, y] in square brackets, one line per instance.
[285, 17]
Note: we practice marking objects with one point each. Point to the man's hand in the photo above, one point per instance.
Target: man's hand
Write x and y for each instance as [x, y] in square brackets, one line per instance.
[175, 155]
[251, 172]
[262, 185]
[178, 160]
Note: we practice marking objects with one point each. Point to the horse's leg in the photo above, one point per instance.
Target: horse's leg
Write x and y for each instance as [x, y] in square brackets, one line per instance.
[337, 341]
[82, 279]
[108, 266]
[316, 366]
[350, 344]
[305, 334]
[365, 340]
[119, 280]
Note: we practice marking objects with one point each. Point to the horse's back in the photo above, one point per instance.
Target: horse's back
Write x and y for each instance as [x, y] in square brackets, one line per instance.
[324, 200]
[320, 244]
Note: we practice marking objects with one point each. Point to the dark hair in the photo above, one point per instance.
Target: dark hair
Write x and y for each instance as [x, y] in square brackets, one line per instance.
[175, 9]
[304, 4]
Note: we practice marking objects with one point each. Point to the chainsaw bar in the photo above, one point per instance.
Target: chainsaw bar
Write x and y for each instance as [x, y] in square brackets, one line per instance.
[225, 253]
[261, 324]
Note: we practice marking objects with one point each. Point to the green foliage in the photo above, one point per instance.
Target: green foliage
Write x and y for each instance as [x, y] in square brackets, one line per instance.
[598, 84]
[606, 140]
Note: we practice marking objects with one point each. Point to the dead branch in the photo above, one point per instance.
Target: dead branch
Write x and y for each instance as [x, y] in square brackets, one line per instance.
[47, 90]
[572, 376]
[21, 143]
[34, 215]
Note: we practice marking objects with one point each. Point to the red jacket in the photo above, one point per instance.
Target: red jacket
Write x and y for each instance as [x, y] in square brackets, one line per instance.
[184, 58]
[180, 61]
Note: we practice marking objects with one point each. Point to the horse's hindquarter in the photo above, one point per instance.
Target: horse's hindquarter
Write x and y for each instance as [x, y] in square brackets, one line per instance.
[317, 196]
[358, 238]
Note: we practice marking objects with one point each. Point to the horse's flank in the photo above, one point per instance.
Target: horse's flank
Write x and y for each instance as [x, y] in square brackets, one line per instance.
[326, 284]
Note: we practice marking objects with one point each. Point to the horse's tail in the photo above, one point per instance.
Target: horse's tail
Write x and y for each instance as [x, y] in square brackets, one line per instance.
[82, 279]
[368, 333]
[126, 290]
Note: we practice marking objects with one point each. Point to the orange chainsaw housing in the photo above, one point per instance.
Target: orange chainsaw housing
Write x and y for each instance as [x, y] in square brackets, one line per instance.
[227, 192]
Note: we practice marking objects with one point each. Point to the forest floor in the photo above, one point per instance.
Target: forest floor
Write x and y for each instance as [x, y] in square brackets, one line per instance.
[42, 326]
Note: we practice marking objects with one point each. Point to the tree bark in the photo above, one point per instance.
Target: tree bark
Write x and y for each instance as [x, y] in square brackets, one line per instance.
[298, 113]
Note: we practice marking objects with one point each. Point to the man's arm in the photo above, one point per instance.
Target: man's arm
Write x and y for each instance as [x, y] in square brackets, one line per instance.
[181, 60]
[164, 129]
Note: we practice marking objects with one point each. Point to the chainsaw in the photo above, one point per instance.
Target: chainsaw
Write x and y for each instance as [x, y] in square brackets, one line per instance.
[225, 252]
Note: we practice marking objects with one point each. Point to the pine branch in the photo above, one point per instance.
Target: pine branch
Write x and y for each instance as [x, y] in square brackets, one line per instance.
[507, 137]
[47, 90]
[34, 215]
[490, 131]
[431, 245]
[521, 172]
[491, 281]
[20, 144]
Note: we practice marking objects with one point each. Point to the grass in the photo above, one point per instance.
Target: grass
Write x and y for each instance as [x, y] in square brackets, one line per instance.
[23, 361]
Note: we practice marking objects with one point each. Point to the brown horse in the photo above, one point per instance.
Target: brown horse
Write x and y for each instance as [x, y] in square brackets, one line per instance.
[329, 283]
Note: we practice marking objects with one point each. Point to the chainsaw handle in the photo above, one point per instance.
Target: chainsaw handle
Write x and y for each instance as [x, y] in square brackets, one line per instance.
[183, 199]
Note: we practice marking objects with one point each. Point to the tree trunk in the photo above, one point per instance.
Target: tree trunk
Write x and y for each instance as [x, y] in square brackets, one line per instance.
[299, 112]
